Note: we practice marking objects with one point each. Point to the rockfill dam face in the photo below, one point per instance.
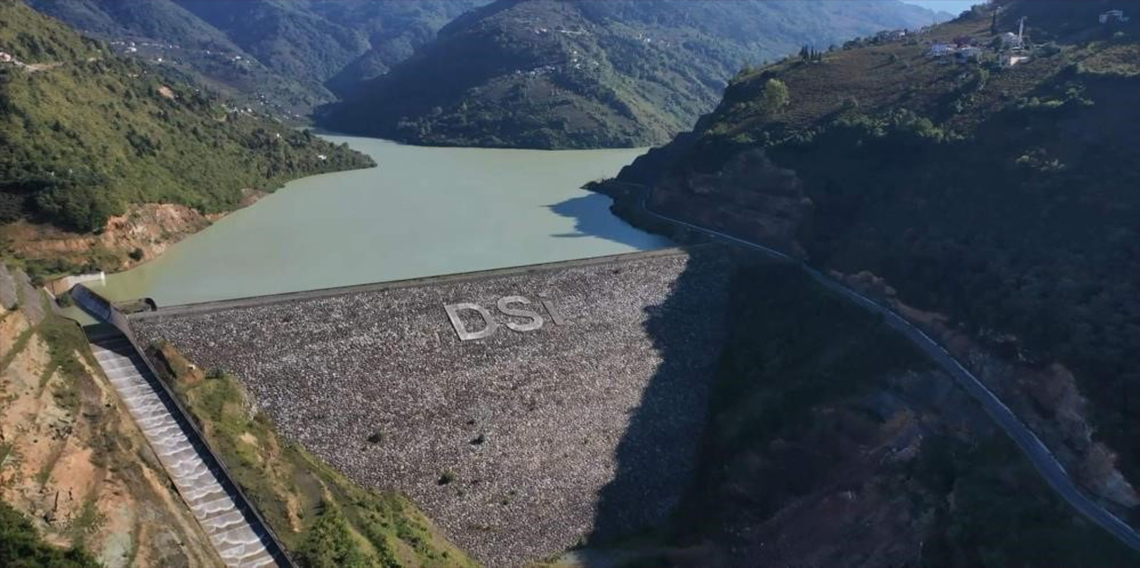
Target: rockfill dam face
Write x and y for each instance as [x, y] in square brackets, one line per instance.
[566, 399]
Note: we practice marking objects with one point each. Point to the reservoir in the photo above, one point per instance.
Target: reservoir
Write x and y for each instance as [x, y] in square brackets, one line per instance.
[421, 212]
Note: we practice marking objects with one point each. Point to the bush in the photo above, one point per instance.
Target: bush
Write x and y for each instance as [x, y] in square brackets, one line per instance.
[22, 547]
[775, 97]
[329, 543]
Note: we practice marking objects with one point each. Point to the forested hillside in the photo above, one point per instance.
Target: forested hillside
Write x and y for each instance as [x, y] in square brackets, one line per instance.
[277, 55]
[550, 74]
[1002, 197]
[831, 441]
[87, 134]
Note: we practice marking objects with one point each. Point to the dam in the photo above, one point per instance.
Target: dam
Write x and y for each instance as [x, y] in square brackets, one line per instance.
[571, 410]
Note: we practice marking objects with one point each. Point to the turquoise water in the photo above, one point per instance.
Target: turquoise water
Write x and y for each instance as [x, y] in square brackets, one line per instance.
[421, 212]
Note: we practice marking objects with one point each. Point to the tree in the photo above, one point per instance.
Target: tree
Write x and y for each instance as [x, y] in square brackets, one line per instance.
[21, 546]
[775, 97]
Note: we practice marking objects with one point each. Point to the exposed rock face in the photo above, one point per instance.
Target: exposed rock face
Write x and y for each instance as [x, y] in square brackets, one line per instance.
[8, 296]
[150, 228]
[1044, 396]
[143, 233]
[73, 461]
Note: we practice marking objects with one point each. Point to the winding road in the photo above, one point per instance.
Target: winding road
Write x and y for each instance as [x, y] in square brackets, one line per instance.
[1039, 455]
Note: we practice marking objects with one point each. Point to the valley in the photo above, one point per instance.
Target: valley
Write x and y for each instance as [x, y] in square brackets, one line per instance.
[409, 283]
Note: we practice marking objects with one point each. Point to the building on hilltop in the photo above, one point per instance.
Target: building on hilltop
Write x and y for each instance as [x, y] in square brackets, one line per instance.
[941, 49]
[1013, 59]
[1011, 40]
[891, 35]
[1112, 16]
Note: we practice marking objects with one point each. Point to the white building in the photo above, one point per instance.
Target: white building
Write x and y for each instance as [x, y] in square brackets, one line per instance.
[1011, 40]
[1112, 16]
[941, 49]
[1011, 60]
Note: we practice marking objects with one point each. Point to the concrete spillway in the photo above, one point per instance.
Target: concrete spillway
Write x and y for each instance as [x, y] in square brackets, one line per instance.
[237, 542]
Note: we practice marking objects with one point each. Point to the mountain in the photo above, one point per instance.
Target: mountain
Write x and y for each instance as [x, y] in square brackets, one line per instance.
[285, 36]
[88, 135]
[994, 205]
[394, 31]
[551, 74]
[285, 55]
[156, 20]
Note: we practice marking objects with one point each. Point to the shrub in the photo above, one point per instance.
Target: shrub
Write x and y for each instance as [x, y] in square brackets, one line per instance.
[376, 437]
[21, 546]
[775, 97]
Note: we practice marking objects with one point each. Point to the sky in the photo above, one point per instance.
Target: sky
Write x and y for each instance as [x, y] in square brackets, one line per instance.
[955, 7]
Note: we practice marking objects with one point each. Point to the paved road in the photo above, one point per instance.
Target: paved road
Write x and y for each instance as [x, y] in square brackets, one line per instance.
[1043, 460]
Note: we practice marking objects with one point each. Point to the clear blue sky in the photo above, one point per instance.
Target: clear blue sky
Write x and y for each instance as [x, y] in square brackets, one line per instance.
[953, 6]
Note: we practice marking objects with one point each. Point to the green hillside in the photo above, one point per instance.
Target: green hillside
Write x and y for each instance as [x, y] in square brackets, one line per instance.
[158, 20]
[284, 36]
[86, 134]
[1004, 197]
[155, 30]
[280, 56]
[591, 74]
[394, 31]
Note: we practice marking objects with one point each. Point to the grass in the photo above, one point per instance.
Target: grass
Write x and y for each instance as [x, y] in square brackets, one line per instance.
[321, 516]
[22, 547]
[87, 522]
[8, 356]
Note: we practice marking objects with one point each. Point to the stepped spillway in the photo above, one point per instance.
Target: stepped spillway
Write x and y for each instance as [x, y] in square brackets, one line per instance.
[238, 542]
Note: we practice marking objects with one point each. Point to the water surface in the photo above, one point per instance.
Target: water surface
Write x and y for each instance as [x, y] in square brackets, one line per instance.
[421, 212]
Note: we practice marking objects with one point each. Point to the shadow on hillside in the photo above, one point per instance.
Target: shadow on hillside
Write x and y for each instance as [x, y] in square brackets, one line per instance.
[657, 456]
[592, 218]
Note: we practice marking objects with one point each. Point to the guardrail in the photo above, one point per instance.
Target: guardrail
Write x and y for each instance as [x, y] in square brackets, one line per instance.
[103, 310]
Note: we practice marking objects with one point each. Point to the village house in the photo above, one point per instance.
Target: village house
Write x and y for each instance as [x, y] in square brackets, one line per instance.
[1112, 16]
[941, 49]
[1012, 59]
[891, 35]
